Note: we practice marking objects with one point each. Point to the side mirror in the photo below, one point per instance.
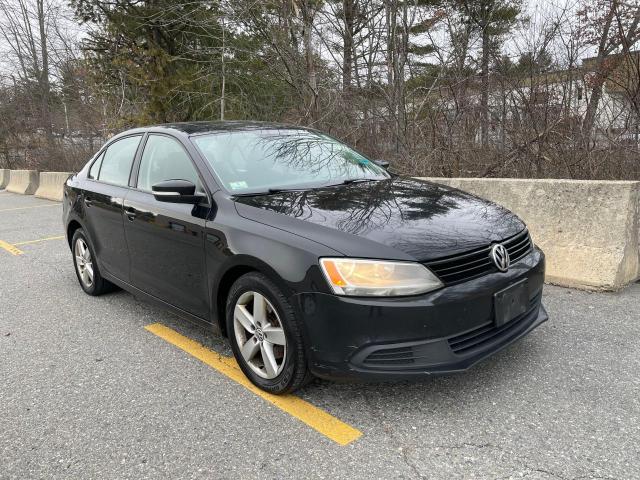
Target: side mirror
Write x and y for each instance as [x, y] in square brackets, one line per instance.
[382, 163]
[176, 191]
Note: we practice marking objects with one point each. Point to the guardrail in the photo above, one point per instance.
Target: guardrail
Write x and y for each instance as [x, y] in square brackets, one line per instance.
[589, 229]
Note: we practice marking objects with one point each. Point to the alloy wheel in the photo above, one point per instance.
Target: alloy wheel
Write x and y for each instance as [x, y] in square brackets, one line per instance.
[84, 263]
[259, 334]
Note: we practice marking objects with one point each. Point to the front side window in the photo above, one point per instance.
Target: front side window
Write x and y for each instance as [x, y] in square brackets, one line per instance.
[259, 160]
[164, 159]
[117, 161]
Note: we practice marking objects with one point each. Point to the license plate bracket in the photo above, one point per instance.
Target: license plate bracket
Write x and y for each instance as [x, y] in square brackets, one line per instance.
[510, 302]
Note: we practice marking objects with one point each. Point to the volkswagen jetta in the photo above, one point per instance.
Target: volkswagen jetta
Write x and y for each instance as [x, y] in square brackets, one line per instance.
[311, 258]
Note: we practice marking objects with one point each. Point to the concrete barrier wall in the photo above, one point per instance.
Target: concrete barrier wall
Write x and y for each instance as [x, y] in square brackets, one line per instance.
[23, 181]
[51, 184]
[4, 177]
[589, 230]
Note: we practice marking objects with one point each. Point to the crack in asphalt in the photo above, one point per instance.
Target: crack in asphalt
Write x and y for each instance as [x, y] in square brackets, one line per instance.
[409, 463]
[517, 459]
[403, 449]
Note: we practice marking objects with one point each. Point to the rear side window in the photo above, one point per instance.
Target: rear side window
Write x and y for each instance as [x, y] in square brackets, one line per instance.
[117, 161]
[95, 168]
[165, 159]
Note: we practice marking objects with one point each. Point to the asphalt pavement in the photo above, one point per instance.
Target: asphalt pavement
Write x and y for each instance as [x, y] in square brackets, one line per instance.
[87, 392]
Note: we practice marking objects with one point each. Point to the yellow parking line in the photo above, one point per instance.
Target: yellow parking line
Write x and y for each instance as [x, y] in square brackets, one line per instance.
[25, 208]
[313, 416]
[10, 248]
[59, 237]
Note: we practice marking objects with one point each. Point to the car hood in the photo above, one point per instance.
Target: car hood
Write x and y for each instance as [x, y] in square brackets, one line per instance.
[399, 218]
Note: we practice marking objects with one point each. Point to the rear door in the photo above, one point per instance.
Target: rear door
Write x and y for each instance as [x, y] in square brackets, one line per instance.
[103, 197]
[166, 240]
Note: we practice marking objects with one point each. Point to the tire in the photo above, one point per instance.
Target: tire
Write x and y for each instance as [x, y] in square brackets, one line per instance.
[274, 322]
[84, 261]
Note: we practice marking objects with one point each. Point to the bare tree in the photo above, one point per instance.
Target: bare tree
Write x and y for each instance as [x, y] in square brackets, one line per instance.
[25, 30]
[611, 25]
[439, 87]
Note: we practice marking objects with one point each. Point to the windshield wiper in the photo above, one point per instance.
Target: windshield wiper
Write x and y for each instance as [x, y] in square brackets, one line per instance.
[303, 189]
[269, 192]
[349, 181]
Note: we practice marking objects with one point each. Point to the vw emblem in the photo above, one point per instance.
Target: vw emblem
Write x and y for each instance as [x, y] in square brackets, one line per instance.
[500, 257]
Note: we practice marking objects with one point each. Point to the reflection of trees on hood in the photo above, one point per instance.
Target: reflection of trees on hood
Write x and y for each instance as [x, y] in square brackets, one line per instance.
[381, 201]
[367, 206]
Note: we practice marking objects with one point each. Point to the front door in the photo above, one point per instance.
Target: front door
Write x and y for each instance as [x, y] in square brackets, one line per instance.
[166, 240]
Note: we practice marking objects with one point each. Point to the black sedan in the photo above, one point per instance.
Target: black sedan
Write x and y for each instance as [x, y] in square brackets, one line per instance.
[311, 258]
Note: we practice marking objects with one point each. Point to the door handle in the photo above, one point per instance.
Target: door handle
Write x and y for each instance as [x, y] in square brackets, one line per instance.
[130, 213]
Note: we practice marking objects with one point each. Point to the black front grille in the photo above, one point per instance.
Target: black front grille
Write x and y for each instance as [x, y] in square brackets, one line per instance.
[460, 268]
[390, 356]
[461, 344]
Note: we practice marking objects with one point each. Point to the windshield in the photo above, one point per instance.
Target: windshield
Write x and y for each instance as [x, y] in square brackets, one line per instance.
[263, 160]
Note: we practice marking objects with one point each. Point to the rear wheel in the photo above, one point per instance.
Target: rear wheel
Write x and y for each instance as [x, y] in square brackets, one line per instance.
[265, 335]
[86, 267]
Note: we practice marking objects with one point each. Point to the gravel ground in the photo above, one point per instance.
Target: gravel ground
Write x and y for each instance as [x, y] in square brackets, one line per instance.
[87, 392]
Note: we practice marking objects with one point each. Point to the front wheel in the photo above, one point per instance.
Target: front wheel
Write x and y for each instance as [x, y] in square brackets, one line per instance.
[265, 335]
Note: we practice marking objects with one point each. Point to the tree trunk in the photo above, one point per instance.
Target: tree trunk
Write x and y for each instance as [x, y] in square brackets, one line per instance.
[606, 64]
[401, 61]
[484, 94]
[307, 19]
[592, 108]
[599, 78]
[348, 7]
[45, 88]
[223, 73]
[391, 9]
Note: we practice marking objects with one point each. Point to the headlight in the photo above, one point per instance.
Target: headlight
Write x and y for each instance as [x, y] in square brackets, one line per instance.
[348, 276]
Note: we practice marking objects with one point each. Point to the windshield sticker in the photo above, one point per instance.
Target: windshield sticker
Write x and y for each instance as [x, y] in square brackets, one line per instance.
[238, 185]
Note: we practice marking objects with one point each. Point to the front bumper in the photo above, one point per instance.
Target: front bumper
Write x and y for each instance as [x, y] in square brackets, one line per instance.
[441, 332]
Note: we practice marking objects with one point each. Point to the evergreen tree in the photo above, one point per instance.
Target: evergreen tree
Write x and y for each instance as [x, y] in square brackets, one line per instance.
[176, 61]
[490, 20]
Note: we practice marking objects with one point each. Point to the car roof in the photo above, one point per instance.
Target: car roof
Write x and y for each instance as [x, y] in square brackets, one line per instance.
[194, 128]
